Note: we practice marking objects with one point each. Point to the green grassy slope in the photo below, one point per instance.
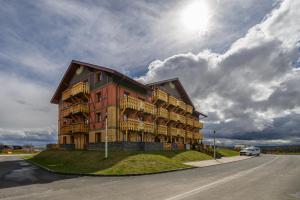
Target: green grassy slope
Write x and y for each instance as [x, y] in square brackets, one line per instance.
[228, 152]
[118, 162]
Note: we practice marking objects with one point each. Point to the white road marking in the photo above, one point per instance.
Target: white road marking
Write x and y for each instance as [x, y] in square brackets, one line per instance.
[221, 181]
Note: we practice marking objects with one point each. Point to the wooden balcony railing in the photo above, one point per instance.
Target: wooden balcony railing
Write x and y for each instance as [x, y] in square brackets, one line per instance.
[64, 130]
[162, 112]
[161, 129]
[80, 108]
[182, 119]
[77, 108]
[160, 95]
[79, 88]
[130, 102]
[66, 94]
[67, 112]
[149, 108]
[198, 124]
[80, 128]
[197, 136]
[148, 127]
[181, 105]
[181, 132]
[201, 135]
[189, 134]
[74, 128]
[137, 104]
[132, 125]
[172, 131]
[173, 116]
[172, 101]
[189, 121]
[189, 108]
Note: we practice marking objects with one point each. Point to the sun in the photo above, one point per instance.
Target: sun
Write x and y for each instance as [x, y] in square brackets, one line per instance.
[195, 17]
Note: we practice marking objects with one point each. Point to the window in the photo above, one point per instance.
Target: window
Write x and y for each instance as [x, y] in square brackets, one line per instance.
[98, 77]
[98, 117]
[99, 96]
[72, 139]
[64, 140]
[98, 137]
[86, 139]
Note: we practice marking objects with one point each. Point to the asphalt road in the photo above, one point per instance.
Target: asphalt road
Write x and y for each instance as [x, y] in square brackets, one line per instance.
[264, 177]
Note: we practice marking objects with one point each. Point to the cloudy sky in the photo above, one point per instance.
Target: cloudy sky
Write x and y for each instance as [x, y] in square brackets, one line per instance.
[239, 60]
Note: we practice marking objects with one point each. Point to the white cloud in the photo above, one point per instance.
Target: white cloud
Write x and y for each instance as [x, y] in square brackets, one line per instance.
[242, 89]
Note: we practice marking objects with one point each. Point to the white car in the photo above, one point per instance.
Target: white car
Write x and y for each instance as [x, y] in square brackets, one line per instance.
[250, 151]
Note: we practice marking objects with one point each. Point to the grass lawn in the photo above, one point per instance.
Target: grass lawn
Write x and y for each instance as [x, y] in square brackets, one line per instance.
[93, 162]
[15, 152]
[228, 152]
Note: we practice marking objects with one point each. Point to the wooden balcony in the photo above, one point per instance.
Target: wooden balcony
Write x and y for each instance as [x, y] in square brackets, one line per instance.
[149, 108]
[198, 124]
[80, 128]
[80, 108]
[172, 101]
[189, 108]
[161, 129]
[74, 128]
[148, 127]
[172, 131]
[163, 113]
[66, 94]
[201, 135]
[64, 130]
[160, 95]
[132, 125]
[173, 116]
[189, 134]
[67, 112]
[75, 109]
[181, 132]
[131, 103]
[182, 119]
[181, 105]
[80, 88]
[197, 136]
[189, 121]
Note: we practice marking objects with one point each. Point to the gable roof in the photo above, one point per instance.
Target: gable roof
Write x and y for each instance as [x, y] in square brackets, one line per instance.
[181, 90]
[71, 70]
[178, 85]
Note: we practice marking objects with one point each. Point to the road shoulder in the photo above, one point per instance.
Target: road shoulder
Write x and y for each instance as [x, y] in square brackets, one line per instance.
[206, 163]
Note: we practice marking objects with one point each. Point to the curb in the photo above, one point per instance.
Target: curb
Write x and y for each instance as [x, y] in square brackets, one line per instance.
[106, 175]
[222, 163]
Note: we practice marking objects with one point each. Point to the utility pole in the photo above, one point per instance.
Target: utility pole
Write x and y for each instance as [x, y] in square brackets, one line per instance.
[106, 152]
[214, 144]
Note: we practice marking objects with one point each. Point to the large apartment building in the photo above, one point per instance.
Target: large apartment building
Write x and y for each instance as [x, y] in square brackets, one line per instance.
[156, 113]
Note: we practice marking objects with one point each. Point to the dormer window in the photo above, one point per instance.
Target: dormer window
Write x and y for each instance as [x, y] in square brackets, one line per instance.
[98, 77]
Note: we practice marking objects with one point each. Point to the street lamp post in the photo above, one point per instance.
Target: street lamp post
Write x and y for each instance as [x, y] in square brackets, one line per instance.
[106, 147]
[214, 144]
